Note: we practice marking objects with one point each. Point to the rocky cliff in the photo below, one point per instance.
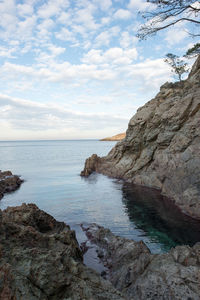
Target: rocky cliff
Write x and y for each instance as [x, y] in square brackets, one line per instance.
[162, 145]
[8, 182]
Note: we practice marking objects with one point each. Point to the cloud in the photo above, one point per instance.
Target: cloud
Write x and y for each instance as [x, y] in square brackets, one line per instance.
[25, 9]
[139, 5]
[84, 16]
[149, 74]
[19, 115]
[175, 35]
[105, 4]
[105, 37]
[127, 40]
[52, 8]
[122, 14]
[66, 35]
[112, 56]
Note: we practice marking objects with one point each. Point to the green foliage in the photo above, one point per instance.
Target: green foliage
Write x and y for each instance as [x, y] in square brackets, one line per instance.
[194, 51]
[178, 66]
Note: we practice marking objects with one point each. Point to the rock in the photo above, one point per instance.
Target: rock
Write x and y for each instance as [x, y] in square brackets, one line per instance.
[117, 137]
[91, 165]
[8, 182]
[138, 274]
[41, 259]
[162, 145]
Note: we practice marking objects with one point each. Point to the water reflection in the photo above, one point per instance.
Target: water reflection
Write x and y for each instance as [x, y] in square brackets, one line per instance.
[158, 217]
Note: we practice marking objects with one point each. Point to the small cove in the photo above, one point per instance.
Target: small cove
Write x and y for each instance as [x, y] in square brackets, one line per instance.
[51, 171]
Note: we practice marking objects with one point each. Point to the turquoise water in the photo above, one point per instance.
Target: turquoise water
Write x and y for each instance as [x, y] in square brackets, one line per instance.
[51, 171]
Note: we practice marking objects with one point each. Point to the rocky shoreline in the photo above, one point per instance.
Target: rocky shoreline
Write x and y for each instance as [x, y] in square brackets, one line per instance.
[138, 274]
[41, 259]
[9, 182]
[162, 145]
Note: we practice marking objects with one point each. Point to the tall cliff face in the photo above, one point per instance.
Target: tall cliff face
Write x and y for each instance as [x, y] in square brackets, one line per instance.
[162, 145]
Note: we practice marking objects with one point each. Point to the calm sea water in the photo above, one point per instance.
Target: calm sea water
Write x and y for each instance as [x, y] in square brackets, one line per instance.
[51, 171]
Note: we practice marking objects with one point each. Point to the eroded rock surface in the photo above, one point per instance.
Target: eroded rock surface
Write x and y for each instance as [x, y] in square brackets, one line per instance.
[141, 275]
[41, 259]
[8, 182]
[162, 145]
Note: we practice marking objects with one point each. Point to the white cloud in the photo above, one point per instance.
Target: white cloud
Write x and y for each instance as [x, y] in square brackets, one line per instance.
[122, 14]
[84, 16]
[52, 8]
[105, 4]
[25, 9]
[127, 40]
[175, 35]
[66, 35]
[139, 5]
[6, 52]
[20, 116]
[113, 56]
[149, 74]
[103, 39]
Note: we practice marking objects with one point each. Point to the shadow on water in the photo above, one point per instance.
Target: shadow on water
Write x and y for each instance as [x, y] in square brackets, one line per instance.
[158, 217]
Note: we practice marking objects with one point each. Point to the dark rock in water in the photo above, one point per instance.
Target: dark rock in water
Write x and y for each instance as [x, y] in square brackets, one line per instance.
[91, 165]
[41, 259]
[162, 145]
[138, 274]
[8, 182]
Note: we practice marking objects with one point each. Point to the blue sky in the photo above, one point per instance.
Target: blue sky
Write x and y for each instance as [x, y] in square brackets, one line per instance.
[75, 69]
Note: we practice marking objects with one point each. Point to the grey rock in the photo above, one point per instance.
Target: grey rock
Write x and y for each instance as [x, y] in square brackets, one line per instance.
[8, 182]
[138, 274]
[41, 259]
[162, 145]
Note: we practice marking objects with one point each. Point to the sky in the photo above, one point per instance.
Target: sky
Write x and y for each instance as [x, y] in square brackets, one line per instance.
[75, 69]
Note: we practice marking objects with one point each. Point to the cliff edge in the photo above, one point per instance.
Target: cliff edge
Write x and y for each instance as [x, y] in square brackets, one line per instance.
[162, 145]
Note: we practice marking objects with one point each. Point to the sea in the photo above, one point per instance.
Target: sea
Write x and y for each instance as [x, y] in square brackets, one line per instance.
[51, 173]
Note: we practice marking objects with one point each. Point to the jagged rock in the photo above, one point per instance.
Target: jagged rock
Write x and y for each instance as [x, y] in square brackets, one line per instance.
[91, 165]
[162, 145]
[41, 259]
[8, 182]
[138, 274]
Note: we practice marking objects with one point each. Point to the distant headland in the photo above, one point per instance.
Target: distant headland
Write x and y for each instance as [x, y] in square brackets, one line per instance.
[117, 137]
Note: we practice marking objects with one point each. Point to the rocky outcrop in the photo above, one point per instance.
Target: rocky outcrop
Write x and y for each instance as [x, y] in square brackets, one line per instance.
[117, 137]
[41, 259]
[91, 165]
[162, 145]
[138, 274]
[8, 182]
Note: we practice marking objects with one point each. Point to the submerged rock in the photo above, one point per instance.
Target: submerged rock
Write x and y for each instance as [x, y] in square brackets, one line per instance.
[8, 182]
[138, 274]
[41, 259]
[162, 145]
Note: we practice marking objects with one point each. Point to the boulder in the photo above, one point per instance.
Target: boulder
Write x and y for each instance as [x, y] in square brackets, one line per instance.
[8, 182]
